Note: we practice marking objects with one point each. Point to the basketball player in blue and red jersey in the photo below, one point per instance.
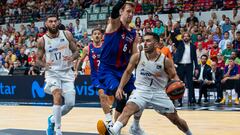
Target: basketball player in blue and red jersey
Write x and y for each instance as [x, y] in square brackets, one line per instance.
[120, 43]
[93, 51]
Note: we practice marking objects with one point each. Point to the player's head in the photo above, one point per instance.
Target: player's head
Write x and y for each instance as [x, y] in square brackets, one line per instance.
[52, 23]
[127, 12]
[97, 35]
[151, 41]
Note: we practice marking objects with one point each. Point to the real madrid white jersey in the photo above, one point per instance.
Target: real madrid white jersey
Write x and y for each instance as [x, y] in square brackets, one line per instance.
[56, 49]
[150, 75]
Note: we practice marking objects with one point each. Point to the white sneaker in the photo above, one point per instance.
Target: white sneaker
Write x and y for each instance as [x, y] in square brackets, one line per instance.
[58, 133]
[136, 131]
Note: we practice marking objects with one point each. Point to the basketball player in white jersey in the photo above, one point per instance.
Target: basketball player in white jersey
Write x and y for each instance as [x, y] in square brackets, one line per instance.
[152, 73]
[56, 52]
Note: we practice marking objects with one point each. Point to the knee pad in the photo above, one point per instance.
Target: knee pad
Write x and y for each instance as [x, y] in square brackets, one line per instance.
[120, 104]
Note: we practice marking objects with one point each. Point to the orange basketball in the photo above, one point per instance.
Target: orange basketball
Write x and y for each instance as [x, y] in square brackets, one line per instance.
[175, 89]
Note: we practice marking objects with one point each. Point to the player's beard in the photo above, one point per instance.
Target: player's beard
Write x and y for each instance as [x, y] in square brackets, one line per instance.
[52, 31]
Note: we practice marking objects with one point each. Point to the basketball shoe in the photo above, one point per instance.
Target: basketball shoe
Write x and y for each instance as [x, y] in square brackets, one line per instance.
[136, 130]
[104, 129]
[50, 129]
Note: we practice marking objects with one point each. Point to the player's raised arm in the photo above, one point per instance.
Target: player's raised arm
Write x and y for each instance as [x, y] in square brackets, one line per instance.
[127, 74]
[114, 22]
[40, 53]
[73, 46]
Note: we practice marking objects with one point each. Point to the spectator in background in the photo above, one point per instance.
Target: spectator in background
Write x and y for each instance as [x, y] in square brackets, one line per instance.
[3, 70]
[211, 26]
[85, 40]
[202, 78]
[181, 19]
[228, 51]
[230, 79]
[41, 32]
[217, 75]
[217, 36]
[214, 51]
[61, 26]
[214, 18]
[236, 42]
[192, 19]
[223, 43]
[164, 49]
[235, 15]
[150, 21]
[223, 20]
[220, 61]
[186, 59]
[10, 58]
[208, 43]
[227, 25]
[234, 56]
[159, 29]
[200, 52]
[147, 7]
[23, 58]
[232, 32]
[138, 22]
[78, 30]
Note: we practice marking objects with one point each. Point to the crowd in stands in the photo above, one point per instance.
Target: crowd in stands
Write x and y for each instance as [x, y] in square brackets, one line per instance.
[16, 11]
[217, 41]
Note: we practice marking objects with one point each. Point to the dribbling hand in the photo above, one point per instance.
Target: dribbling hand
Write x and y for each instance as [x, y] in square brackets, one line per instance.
[119, 94]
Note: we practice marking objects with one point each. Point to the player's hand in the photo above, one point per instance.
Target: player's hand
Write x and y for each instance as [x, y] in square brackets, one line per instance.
[67, 58]
[75, 74]
[119, 94]
[48, 65]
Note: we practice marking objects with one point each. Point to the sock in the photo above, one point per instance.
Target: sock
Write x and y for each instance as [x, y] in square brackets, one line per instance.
[135, 123]
[57, 113]
[117, 126]
[108, 117]
[188, 132]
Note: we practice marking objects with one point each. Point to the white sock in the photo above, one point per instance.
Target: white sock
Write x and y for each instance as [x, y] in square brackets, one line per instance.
[188, 132]
[57, 113]
[117, 126]
[135, 123]
[108, 117]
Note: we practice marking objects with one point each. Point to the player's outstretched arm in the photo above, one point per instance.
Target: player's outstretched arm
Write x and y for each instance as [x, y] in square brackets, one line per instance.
[73, 46]
[127, 74]
[40, 53]
[114, 22]
[170, 69]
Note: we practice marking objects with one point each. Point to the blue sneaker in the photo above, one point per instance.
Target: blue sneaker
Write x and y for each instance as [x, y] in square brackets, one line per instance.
[50, 129]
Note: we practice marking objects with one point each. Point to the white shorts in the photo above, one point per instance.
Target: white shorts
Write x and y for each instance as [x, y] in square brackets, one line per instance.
[158, 100]
[63, 80]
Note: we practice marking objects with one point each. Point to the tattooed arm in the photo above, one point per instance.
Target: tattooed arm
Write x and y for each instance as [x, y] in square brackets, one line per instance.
[73, 46]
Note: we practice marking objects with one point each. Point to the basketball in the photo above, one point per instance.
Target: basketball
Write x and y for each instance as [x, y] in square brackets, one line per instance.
[175, 89]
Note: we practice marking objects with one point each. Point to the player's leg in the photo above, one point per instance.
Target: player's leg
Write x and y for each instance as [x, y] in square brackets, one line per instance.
[53, 87]
[135, 128]
[122, 120]
[134, 104]
[163, 105]
[179, 122]
[57, 113]
[69, 95]
[106, 105]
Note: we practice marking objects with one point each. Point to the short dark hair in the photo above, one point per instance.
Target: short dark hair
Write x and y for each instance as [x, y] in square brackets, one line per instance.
[51, 15]
[204, 55]
[155, 36]
[99, 29]
[238, 32]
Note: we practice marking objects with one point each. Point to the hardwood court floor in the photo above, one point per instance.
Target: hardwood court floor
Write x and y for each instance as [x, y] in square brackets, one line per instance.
[84, 120]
